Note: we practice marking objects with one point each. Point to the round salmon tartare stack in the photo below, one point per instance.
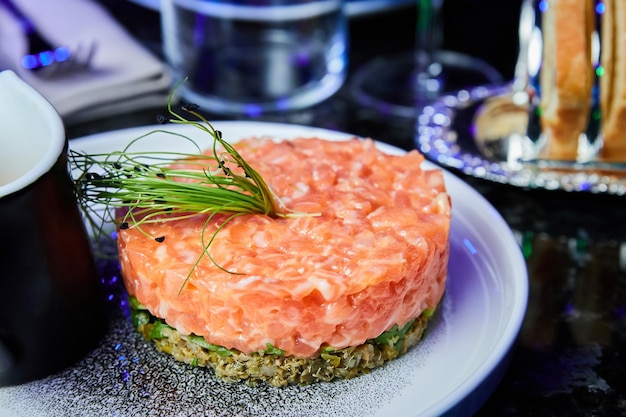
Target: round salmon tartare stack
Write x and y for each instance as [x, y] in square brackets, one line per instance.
[343, 285]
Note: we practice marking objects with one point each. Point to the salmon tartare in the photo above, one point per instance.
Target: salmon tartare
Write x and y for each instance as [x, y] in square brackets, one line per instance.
[336, 290]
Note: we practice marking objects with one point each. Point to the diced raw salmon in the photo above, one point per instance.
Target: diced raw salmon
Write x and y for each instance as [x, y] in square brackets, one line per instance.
[376, 256]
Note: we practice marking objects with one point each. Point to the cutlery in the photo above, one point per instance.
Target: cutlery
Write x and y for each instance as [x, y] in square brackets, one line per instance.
[41, 53]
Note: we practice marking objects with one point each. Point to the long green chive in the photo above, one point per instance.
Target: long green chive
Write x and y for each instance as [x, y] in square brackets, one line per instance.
[148, 188]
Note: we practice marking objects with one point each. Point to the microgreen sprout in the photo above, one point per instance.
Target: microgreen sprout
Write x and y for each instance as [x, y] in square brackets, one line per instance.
[132, 188]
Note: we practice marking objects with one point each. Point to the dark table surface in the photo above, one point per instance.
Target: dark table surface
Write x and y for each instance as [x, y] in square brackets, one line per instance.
[570, 356]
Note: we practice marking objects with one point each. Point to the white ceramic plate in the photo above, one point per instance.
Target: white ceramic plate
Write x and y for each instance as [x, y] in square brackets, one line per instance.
[452, 371]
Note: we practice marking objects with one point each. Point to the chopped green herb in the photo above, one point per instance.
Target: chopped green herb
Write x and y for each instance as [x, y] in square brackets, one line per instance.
[332, 359]
[157, 329]
[135, 304]
[271, 350]
[328, 349]
[201, 341]
[139, 317]
[395, 336]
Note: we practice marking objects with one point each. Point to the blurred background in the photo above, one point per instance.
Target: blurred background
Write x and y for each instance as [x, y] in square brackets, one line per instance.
[486, 29]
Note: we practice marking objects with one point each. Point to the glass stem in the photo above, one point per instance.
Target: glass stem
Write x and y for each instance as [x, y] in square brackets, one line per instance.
[429, 38]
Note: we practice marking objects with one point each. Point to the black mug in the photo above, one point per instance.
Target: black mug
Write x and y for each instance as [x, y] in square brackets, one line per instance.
[52, 308]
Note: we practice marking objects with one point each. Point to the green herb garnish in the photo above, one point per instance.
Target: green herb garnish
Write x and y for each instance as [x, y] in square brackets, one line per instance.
[152, 190]
[394, 336]
[146, 188]
[158, 328]
[201, 341]
[271, 350]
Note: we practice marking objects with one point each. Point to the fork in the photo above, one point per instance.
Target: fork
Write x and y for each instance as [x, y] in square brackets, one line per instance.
[41, 53]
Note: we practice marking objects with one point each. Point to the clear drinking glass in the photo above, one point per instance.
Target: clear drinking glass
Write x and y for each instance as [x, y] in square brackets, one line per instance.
[399, 85]
[245, 57]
